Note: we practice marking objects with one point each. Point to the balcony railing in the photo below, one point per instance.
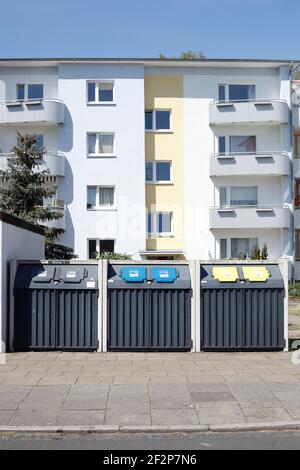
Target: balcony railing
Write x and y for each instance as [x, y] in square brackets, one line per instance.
[258, 216]
[249, 163]
[249, 111]
[41, 111]
[54, 162]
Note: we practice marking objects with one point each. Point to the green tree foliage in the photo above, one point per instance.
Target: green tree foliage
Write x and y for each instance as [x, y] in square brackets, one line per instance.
[113, 256]
[187, 55]
[23, 190]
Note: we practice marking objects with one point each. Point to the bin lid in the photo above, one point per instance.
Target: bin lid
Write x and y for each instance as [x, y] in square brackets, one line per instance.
[73, 274]
[133, 273]
[256, 273]
[225, 273]
[164, 274]
[42, 273]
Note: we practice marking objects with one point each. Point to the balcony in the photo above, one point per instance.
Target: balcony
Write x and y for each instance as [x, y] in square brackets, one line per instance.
[55, 162]
[38, 111]
[249, 112]
[59, 206]
[297, 217]
[261, 216]
[259, 163]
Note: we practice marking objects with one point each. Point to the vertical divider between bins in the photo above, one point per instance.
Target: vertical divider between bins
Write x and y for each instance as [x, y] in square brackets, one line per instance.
[13, 266]
[196, 289]
[283, 264]
[103, 313]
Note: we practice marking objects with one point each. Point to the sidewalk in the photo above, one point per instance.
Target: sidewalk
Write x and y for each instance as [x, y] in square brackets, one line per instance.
[140, 389]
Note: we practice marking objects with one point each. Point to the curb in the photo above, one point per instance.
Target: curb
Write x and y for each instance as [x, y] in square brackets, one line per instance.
[164, 429]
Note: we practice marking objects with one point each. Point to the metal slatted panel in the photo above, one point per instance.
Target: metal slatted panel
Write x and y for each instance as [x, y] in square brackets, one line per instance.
[242, 319]
[149, 319]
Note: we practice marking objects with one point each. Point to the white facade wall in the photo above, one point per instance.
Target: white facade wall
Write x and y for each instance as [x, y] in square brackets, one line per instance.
[126, 223]
[201, 140]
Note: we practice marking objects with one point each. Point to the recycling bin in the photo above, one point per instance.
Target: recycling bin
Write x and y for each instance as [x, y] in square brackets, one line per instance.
[149, 307]
[56, 307]
[242, 307]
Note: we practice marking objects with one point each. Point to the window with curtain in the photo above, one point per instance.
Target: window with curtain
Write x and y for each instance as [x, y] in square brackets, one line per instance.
[243, 196]
[106, 143]
[242, 247]
[241, 92]
[100, 92]
[242, 143]
[106, 196]
[164, 222]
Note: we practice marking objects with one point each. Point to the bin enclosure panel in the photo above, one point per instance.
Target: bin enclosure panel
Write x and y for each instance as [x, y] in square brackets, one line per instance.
[242, 315]
[153, 314]
[56, 307]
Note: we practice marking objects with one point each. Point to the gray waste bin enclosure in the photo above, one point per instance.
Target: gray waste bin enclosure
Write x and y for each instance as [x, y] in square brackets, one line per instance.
[56, 307]
[150, 310]
[244, 314]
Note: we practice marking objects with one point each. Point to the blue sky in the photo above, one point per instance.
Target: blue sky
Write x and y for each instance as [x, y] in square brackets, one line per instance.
[144, 28]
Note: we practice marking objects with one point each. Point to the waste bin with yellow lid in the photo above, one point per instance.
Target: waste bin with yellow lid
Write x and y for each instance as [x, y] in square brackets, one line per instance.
[241, 307]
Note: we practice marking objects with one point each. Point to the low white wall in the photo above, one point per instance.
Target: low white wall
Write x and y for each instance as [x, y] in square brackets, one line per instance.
[17, 242]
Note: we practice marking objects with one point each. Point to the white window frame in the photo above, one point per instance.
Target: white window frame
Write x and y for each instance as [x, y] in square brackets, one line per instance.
[98, 244]
[160, 131]
[228, 196]
[98, 102]
[98, 207]
[26, 85]
[229, 245]
[154, 179]
[155, 224]
[226, 85]
[100, 155]
[227, 139]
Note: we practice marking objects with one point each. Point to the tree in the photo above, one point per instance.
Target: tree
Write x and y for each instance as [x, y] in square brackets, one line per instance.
[264, 252]
[255, 252]
[187, 55]
[23, 191]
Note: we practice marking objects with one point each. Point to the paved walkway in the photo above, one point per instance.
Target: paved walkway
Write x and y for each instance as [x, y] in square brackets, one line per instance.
[45, 388]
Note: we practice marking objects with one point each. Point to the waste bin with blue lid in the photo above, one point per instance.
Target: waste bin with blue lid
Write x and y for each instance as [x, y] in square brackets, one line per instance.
[149, 307]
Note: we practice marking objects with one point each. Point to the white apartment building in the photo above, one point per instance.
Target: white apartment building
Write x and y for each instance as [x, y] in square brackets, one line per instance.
[215, 137]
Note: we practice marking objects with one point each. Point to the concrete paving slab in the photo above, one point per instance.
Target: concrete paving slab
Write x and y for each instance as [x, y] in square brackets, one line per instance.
[5, 417]
[80, 418]
[40, 417]
[175, 417]
[41, 396]
[254, 414]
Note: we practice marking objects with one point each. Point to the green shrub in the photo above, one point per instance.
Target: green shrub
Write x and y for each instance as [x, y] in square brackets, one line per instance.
[294, 289]
[113, 256]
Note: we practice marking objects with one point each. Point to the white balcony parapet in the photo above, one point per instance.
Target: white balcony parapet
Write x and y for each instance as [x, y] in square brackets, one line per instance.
[54, 162]
[256, 163]
[296, 117]
[266, 111]
[259, 216]
[41, 111]
[296, 166]
[297, 218]
[57, 205]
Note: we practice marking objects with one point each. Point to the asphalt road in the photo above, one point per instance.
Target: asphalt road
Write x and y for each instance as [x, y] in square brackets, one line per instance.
[245, 441]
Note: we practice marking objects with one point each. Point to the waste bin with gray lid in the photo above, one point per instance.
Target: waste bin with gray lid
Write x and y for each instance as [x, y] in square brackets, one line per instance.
[149, 307]
[242, 307]
[56, 307]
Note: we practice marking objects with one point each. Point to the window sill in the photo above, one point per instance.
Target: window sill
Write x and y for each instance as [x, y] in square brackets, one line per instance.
[97, 209]
[159, 131]
[160, 235]
[101, 155]
[101, 103]
[160, 183]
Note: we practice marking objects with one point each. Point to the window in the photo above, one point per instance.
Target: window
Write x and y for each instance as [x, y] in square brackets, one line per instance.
[39, 141]
[100, 92]
[238, 196]
[157, 120]
[242, 144]
[158, 172]
[241, 92]
[221, 92]
[242, 247]
[35, 91]
[222, 145]
[239, 247]
[100, 143]
[159, 223]
[96, 246]
[21, 92]
[100, 197]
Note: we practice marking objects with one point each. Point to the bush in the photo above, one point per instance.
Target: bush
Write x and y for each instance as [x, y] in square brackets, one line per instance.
[113, 256]
[264, 252]
[255, 253]
[294, 289]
